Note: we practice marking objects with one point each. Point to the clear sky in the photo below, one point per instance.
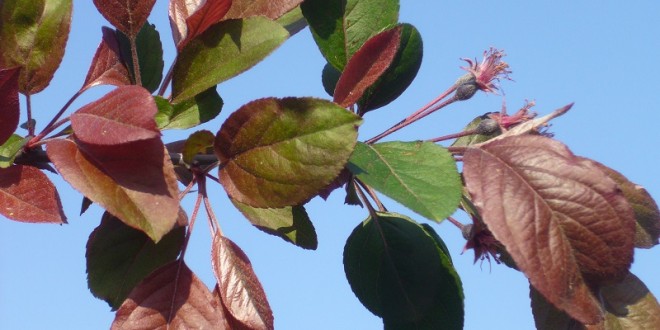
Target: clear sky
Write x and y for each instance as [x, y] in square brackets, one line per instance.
[599, 54]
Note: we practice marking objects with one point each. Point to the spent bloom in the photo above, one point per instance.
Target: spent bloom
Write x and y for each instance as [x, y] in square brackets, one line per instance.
[491, 69]
[507, 121]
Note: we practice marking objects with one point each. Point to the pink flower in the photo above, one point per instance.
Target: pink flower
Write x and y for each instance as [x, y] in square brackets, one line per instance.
[490, 69]
[507, 121]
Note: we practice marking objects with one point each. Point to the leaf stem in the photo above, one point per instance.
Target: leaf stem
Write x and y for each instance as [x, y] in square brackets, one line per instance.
[364, 199]
[28, 105]
[53, 124]
[213, 221]
[136, 60]
[167, 79]
[372, 194]
[453, 136]
[456, 222]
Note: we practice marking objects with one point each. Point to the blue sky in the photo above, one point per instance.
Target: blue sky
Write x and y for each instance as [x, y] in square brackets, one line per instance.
[599, 55]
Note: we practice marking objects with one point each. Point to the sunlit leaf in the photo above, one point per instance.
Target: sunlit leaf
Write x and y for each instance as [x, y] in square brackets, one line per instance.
[108, 67]
[270, 8]
[124, 115]
[27, 195]
[170, 298]
[191, 18]
[282, 152]
[341, 27]
[134, 181]
[200, 142]
[9, 107]
[119, 257]
[222, 52]
[366, 66]
[399, 272]
[127, 16]
[240, 290]
[559, 216]
[10, 149]
[33, 35]
[189, 113]
[149, 53]
[290, 223]
[420, 175]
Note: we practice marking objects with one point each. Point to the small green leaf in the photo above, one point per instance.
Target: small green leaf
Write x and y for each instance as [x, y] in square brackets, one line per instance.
[200, 142]
[189, 113]
[420, 175]
[399, 272]
[10, 149]
[330, 77]
[222, 52]
[290, 223]
[150, 55]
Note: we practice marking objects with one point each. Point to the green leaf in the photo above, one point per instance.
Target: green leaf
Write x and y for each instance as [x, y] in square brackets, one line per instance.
[400, 73]
[189, 113]
[293, 21]
[33, 35]
[420, 175]
[399, 272]
[119, 257]
[468, 140]
[330, 77]
[290, 223]
[10, 149]
[200, 142]
[282, 152]
[150, 55]
[222, 52]
[341, 27]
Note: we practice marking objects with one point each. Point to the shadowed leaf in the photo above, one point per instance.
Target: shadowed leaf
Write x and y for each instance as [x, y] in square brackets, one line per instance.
[200, 142]
[27, 195]
[170, 298]
[150, 55]
[562, 220]
[189, 113]
[282, 152]
[107, 67]
[189, 19]
[127, 16]
[9, 107]
[240, 290]
[272, 9]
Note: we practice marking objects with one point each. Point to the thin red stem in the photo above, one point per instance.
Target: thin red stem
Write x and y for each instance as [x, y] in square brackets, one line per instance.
[453, 136]
[28, 105]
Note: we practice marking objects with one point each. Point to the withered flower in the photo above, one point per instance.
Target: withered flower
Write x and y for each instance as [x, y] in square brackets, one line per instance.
[491, 69]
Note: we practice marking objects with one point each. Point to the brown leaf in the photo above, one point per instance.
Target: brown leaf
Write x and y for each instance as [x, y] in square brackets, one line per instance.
[630, 305]
[123, 115]
[366, 66]
[108, 67]
[189, 19]
[9, 107]
[27, 195]
[240, 290]
[564, 222]
[270, 8]
[172, 297]
[127, 16]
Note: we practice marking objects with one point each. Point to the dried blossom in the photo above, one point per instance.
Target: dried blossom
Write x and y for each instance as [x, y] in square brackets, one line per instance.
[491, 69]
[482, 241]
[507, 121]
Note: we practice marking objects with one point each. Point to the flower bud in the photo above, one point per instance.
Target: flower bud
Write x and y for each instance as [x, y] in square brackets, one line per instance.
[465, 91]
[488, 126]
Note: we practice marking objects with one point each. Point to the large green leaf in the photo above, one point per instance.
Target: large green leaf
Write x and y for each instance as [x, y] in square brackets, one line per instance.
[33, 35]
[150, 55]
[420, 175]
[119, 257]
[399, 272]
[223, 51]
[282, 152]
[341, 27]
[188, 113]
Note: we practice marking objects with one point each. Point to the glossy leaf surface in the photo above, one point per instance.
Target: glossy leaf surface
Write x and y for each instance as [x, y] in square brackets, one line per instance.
[10, 149]
[33, 35]
[341, 27]
[191, 18]
[119, 257]
[400, 273]
[9, 106]
[149, 53]
[126, 114]
[189, 113]
[281, 152]
[127, 16]
[133, 181]
[420, 175]
[561, 218]
[108, 67]
[366, 66]
[27, 195]
[241, 293]
[240, 44]
[290, 223]
[170, 298]
[269, 8]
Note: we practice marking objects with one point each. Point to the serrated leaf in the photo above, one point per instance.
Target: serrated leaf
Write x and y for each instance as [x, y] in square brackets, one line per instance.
[108, 67]
[282, 152]
[272, 9]
[399, 272]
[563, 221]
[9, 107]
[189, 113]
[27, 195]
[128, 16]
[134, 181]
[290, 223]
[10, 149]
[241, 293]
[366, 66]
[240, 44]
[200, 142]
[150, 55]
[170, 298]
[124, 115]
[33, 35]
[341, 27]
[420, 175]
[189, 19]
[468, 140]
[119, 257]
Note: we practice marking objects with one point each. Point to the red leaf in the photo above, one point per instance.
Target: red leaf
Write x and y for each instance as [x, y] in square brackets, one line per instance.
[170, 298]
[366, 66]
[191, 18]
[127, 16]
[123, 115]
[27, 195]
[564, 222]
[272, 9]
[240, 290]
[9, 108]
[134, 181]
[107, 67]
